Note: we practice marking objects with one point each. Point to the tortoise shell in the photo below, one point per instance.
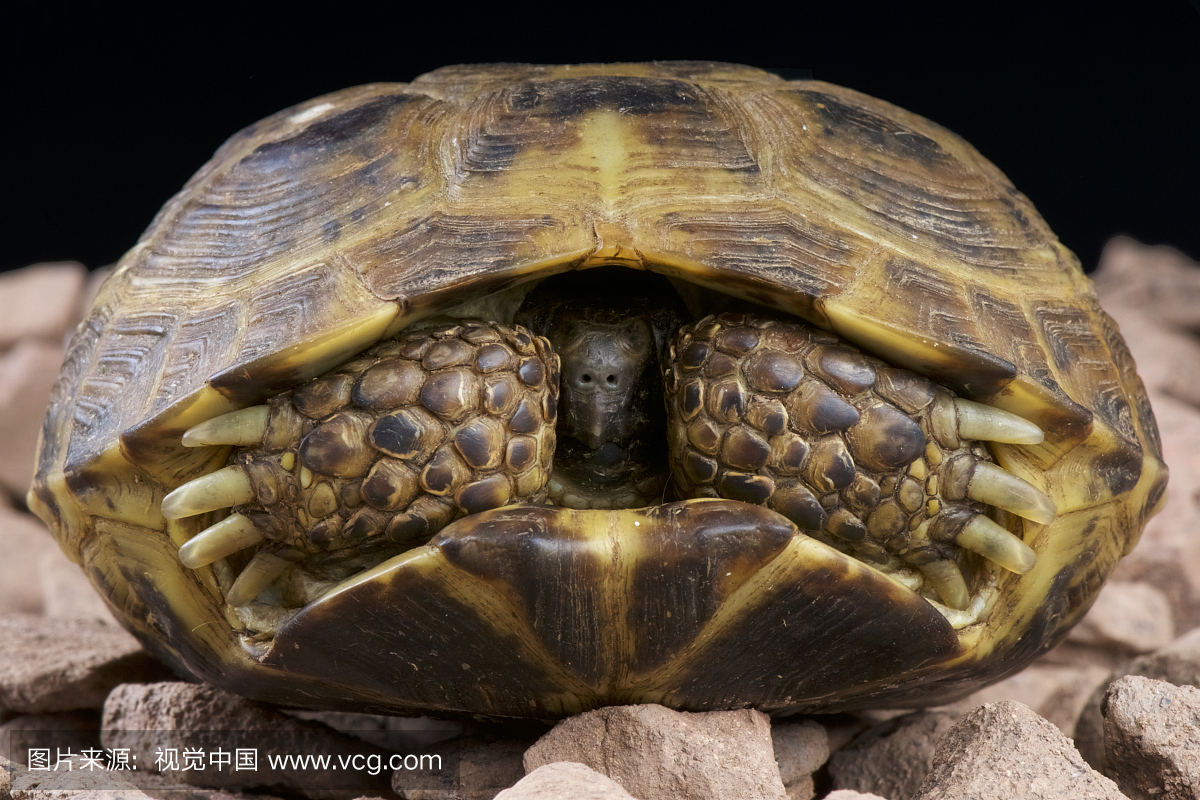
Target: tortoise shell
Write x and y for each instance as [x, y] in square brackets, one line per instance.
[330, 226]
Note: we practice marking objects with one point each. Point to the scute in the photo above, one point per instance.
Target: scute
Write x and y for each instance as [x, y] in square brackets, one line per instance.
[324, 228]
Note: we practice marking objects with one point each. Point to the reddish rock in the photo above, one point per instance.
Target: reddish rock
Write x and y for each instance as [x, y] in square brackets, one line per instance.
[562, 780]
[1128, 618]
[473, 767]
[23, 540]
[71, 731]
[1152, 294]
[66, 591]
[892, 757]
[1152, 738]
[1157, 279]
[801, 747]
[659, 754]
[154, 717]
[1178, 663]
[40, 302]
[52, 665]
[1054, 691]
[27, 373]
[1004, 750]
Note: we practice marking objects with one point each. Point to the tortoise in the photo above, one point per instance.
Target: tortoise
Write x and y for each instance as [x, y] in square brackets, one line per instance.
[516, 391]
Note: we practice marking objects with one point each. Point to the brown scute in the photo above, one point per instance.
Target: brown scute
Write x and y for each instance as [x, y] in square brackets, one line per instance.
[338, 447]
[390, 485]
[788, 453]
[490, 492]
[318, 399]
[481, 442]
[521, 453]
[744, 449]
[801, 506]
[415, 472]
[773, 371]
[885, 439]
[411, 433]
[767, 415]
[829, 467]
[451, 394]
[389, 384]
[531, 371]
[755, 489]
[736, 341]
[846, 371]
[492, 357]
[817, 409]
[500, 394]
[444, 473]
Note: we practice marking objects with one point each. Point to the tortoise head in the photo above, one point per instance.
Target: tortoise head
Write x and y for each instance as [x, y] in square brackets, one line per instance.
[852, 303]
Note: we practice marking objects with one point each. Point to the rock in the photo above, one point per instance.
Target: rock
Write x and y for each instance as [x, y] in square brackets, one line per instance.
[1157, 279]
[565, 779]
[54, 665]
[660, 754]
[473, 767]
[23, 540]
[19, 783]
[892, 757]
[850, 794]
[152, 719]
[1130, 618]
[1178, 663]
[66, 591]
[70, 731]
[801, 747]
[1152, 738]
[1004, 750]
[40, 302]
[1151, 293]
[1055, 692]
[27, 373]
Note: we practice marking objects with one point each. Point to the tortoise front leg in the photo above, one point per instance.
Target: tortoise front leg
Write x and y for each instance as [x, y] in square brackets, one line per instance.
[875, 461]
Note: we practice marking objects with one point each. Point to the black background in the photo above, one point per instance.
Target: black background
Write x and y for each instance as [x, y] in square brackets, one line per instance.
[1091, 109]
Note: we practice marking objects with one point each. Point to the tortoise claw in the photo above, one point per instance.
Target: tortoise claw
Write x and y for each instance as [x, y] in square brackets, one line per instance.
[231, 534]
[988, 423]
[260, 573]
[995, 486]
[994, 542]
[224, 488]
[245, 427]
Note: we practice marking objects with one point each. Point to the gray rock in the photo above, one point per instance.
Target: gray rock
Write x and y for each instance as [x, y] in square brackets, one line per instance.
[660, 754]
[71, 731]
[149, 719]
[801, 746]
[850, 794]
[398, 734]
[1004, 750]
[473, 767]
[565, 779]
[52, 665]
[1178, 663]
[891, 758]
[1152, 738]
[19, 783]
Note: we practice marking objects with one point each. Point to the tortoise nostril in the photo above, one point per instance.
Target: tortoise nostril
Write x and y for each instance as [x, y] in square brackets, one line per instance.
[585, 378]
[611, 380]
